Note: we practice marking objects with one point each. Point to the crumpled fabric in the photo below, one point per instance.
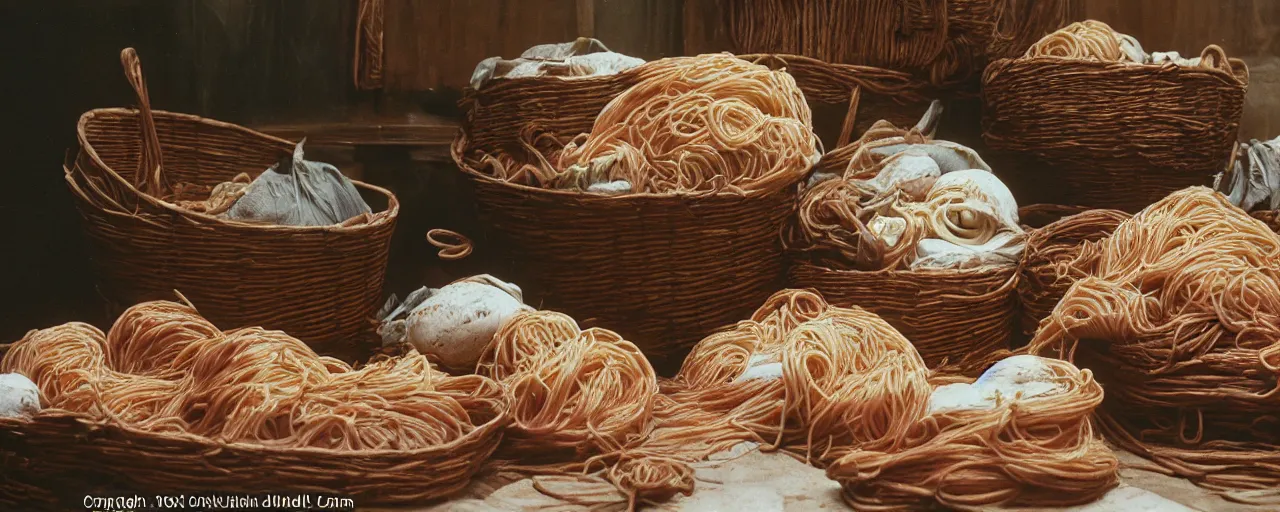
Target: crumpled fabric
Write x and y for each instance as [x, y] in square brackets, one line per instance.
[296, 192]
[1253, 183]
[583, 57]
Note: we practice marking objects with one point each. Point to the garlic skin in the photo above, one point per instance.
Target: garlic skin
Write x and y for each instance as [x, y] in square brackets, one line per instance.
[996, 192]
[1018, 377]
[453, 324]
[19, 397]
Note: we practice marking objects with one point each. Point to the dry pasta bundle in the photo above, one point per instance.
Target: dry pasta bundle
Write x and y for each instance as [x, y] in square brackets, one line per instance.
[1046, 273]
[581, 399]
[1018, 436]
[164, 369]
[1095, 40]
[906, 201]
[1179, 317]
[800, 375]
[690, 124]
[847, 390]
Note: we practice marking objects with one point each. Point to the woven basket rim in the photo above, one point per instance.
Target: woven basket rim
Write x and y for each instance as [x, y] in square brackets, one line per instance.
[495, 425]
[461, 140]
[1120, 67]
[790, 57]
[984, 270]
[380, 218]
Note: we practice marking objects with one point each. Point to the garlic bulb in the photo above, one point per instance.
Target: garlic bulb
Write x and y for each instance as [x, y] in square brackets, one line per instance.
[456, 323]
[18, 396]
[1018, 377]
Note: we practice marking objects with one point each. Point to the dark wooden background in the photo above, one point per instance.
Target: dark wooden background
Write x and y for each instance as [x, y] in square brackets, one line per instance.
[285, 66]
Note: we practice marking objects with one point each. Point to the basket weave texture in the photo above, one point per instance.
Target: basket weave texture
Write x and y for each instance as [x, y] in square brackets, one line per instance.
[944, 42]
[867, 93]
[1048, 250]
[959, 317]
[320, 284]
[663, 270]
[68, 453]
[1153, 129]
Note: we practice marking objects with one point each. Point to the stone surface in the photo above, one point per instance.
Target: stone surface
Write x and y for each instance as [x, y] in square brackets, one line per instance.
[747, 480]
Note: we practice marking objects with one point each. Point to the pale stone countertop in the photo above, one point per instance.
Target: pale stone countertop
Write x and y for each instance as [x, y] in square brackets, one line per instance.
[747, 480]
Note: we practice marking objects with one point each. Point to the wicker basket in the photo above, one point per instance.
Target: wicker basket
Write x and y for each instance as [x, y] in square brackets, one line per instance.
[663, 270]
[68, 450]
[1095, 125]
[1039, 285]
[942, 41]
[59, 456]
[957, 317]
[846, 99]
[321, 284]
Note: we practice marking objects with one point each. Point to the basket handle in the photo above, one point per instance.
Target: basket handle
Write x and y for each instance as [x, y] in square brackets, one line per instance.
[850, 117]
[1217, 57]
[453, 246]
[150, 178]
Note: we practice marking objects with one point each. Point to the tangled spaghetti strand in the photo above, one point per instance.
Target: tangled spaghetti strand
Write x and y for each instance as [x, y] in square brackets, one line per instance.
[1041, 286]
[580, 399]
[164, 369]
[1037, 451]
[712, 122]
[828, 378]
[1179, 317]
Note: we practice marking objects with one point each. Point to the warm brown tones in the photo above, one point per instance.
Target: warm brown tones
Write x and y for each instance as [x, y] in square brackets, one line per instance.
[954, 316]
[178, 405]
[321, 284]
[1094, 123]
[1024, 452]
[944, 42]
[689, 124]
[664, 270]
[1045, 273]
[1179, 317]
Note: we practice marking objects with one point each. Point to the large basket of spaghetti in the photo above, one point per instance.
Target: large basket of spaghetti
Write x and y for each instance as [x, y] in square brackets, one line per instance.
[918, 231]
[320, 283]
[167, 403]
[942, 42]
[1094, 110]
[661, 219]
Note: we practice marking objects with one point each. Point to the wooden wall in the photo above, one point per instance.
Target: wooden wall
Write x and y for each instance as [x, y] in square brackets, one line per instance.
[437, 43]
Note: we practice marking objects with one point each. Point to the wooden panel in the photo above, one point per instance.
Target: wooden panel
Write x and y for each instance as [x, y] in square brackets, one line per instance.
[434, 43]
[266, 60]
[649, 29]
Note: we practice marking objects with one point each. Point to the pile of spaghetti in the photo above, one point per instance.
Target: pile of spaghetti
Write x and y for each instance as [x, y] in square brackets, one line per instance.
[1018, 436]
[1045, 274]
[1095, 40]
[690, 124]
[164, 369]
[1179, 317]
[846, 390]
[582, 400]
[907, 201]
[799, 374]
